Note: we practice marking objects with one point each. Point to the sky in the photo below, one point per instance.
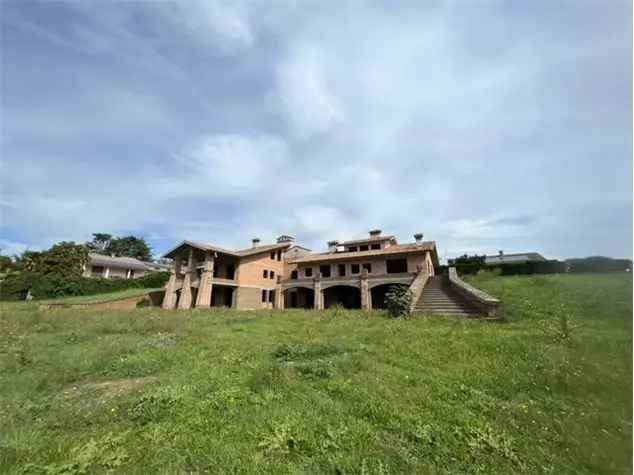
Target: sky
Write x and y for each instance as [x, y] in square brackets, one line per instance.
[486, 125]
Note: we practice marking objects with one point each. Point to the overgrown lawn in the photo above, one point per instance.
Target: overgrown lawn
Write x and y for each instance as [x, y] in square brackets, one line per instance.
[152, 391]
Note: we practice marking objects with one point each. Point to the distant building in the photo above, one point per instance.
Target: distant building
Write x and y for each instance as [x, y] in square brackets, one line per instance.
[108, 267]
[520, 258]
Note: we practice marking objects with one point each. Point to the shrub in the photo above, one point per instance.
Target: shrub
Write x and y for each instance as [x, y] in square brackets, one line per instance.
[468, 264]
[398, 301]
[533, 267]
[16, 286]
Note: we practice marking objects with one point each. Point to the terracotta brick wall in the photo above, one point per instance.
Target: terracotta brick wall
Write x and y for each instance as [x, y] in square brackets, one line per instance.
[248, 298]
[250, 270]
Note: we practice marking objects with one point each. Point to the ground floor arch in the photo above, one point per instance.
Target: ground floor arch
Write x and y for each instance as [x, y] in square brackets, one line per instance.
[299, 297]
[344, 295]
[378, 293]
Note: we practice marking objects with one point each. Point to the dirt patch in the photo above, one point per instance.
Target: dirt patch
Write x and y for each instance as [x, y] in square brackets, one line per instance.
[116, 387]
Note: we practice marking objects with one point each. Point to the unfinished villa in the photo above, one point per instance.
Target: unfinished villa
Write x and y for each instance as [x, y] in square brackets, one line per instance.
[353, 274]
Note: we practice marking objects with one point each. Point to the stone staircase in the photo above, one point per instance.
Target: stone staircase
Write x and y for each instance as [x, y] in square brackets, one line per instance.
[437, 299]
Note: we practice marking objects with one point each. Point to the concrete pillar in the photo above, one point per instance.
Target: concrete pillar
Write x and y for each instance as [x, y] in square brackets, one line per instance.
[106, 273]
[279, 296]
[169, 300]
[366, 302]
[319, 296]
[203, 299]
[234, 297]
[186, 292]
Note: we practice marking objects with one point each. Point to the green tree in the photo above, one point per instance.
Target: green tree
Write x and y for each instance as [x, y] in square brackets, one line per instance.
[62, 259]
[100, 242]
[130, 246]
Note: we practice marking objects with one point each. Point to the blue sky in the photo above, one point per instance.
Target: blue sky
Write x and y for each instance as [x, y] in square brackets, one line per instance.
[485, 125]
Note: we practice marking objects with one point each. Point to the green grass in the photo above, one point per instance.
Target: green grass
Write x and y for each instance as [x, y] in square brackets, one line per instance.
[331, 392]
[83, 299]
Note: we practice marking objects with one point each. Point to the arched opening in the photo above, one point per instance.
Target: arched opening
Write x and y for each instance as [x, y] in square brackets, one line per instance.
[345, 295]
[378, 294]
[299, 297]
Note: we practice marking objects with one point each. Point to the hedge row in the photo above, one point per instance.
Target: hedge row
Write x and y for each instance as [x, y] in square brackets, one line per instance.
[537, 267]
[16, 286]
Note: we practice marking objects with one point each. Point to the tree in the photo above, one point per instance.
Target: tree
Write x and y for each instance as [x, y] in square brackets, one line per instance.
[467, 264]
[128, 246]
[62, 259]
[100, 242]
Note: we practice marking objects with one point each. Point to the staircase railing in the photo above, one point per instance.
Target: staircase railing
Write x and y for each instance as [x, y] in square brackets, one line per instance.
[417, 286]
[489, 305]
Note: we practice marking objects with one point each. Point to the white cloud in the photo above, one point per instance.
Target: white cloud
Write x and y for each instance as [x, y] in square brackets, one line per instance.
[234, 163]
[11, 248]
[225, 23]
[304, 95]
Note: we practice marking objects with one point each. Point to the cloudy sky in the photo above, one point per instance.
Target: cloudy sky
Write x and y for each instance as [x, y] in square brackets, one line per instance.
[485, 125]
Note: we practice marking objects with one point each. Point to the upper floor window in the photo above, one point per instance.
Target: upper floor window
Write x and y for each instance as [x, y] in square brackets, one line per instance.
[265, 273]
[272, 274]
[342, 270]
[325, 271]
[294, 274]
[375, 246]
[396, 266]
[308, 272]
[364, 247]
[354, 268]
[352, 249]
[264, 295]
[272, 255]
[279, 255]
[271, 296]
[368, 267]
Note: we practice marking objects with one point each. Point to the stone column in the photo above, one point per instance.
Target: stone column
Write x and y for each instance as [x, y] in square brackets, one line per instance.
[366, 303]
[186, 292]
[203, 299]
[319, 296]
[169, 300]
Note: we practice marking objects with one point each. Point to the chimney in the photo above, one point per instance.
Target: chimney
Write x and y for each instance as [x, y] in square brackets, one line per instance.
[375, 233]
[501, 253]
[332, 246]
[255, 242]
[419, 238]
[285, 238]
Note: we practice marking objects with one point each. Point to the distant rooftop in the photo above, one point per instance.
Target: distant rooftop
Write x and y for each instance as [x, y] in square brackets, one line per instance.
[518, 258]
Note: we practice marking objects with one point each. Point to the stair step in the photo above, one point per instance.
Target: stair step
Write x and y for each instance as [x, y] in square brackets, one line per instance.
[437, 299]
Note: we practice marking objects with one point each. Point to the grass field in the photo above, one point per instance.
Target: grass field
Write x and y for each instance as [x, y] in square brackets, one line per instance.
[83, 299]
[152, 391]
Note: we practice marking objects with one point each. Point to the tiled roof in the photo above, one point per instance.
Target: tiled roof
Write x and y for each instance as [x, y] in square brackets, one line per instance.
[514, 258]
[118, 262]
[240, 253]
[264, 248]
[369, 239]
[395, 249]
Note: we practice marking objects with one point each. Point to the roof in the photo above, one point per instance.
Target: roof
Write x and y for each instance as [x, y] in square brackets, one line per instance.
[513, 258]
[120, 262]
[239, 253]
[296, 246]
[411, 248]
[369, 239]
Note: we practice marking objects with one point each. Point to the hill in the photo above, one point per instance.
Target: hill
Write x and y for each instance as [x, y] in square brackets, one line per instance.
[350, 392]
